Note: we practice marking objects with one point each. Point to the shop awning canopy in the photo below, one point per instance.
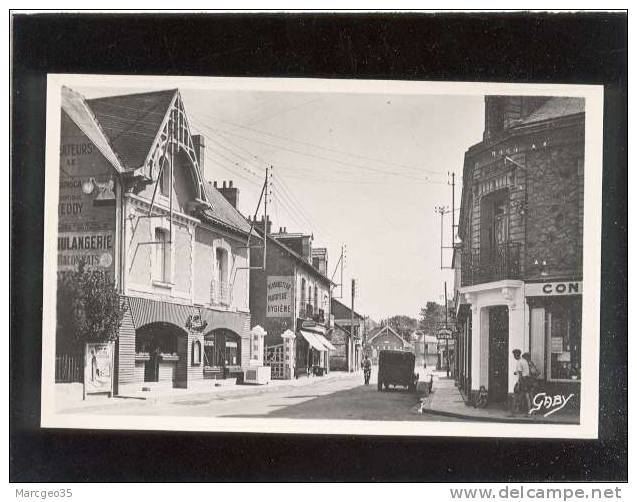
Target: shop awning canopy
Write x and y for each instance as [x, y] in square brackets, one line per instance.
[146, 311]
[314, 342]
[325, 342]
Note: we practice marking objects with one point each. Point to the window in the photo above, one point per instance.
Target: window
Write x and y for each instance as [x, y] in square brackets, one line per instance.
[222, 348]
[220, 286]
[303, 293]
[196, 353]
[164, 178]
[564, 340]
[162, 255]
[494, 223]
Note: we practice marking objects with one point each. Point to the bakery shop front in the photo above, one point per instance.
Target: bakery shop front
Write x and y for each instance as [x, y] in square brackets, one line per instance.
[555, 335]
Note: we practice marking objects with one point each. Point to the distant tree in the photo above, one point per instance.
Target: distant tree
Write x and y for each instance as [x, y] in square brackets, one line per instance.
[89, 308]
[432, 317]
[402, 324]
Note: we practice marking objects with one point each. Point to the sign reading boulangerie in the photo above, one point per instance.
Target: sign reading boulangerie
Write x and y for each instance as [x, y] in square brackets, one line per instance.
[98, 368]
[279, 296]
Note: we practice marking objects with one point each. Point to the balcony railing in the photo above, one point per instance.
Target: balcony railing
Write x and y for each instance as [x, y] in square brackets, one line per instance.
[502, 262]
[219, 293]
[307, 311]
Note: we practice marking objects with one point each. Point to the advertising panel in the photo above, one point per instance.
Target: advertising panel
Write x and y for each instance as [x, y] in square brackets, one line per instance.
[98, 368]
[280, 296]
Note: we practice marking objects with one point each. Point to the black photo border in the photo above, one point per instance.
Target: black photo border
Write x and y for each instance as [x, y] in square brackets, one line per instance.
[578, 48]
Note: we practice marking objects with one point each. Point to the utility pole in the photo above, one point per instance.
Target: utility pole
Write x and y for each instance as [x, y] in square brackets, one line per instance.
[453, 209]
[442, 210]
[267, 194]
[446, 331]
[339, 264]
[351, 326]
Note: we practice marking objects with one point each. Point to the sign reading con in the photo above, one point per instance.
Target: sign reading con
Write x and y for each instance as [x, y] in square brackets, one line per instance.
[279, 296]
[98, 368]
[554, 288]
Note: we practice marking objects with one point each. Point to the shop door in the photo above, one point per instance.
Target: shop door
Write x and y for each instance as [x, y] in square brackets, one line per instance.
[498, 353]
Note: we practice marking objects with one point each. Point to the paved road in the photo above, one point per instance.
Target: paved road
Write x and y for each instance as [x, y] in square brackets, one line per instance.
[337, 398]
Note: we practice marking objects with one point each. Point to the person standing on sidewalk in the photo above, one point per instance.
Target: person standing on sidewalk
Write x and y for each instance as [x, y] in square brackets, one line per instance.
[522, 371]
[531, 381]
[367, 369]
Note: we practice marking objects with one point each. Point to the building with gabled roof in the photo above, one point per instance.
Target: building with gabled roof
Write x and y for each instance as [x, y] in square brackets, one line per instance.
[386, 338]
[347, 340]
[134, 204]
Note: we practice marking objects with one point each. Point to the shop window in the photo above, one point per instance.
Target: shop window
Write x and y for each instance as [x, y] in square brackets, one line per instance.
[564, 340]
[222, 348]
[196, 353]
[162, 263]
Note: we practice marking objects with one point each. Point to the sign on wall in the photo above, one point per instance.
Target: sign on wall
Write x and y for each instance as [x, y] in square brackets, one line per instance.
[98, 368]
[559, 288]
[280, 296]
[86, 204]
[94, 248]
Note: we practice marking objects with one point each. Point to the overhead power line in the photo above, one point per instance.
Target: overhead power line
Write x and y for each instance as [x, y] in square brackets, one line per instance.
[415, 169]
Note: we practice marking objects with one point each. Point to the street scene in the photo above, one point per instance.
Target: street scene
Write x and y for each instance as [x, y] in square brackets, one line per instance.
[343, 397]
[250, 253]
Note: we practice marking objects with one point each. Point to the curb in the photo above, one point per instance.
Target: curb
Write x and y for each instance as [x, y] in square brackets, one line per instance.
[510, 420]
[239, 391]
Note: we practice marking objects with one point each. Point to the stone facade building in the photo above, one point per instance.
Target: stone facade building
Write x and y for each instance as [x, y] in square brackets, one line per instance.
[519, 260]
[131, 178]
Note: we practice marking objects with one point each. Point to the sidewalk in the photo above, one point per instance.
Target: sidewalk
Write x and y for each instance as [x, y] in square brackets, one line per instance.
[73, 400]
[446, 400]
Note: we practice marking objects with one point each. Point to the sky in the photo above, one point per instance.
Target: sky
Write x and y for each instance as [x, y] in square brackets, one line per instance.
[365, 171]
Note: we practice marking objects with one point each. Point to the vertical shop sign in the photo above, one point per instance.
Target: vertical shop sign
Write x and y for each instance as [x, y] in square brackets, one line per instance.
[279, 296]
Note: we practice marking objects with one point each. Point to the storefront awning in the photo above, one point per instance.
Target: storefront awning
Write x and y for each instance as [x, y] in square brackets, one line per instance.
[314, 342]
[325, 342]
[145, 311]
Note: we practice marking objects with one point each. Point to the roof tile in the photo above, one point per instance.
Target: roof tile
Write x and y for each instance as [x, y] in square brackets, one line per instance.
[131, 122]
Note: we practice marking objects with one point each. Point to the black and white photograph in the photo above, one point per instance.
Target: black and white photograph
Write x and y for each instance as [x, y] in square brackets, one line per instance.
[388, 257]
[342, 247]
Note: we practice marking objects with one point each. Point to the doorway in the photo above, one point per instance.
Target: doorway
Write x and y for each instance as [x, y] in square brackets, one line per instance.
[498, 353]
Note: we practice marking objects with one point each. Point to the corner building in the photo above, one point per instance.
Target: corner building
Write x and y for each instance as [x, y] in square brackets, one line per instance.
[519, 263]
[131, 178]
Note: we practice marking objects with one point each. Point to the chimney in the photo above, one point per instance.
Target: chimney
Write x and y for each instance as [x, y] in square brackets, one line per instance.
[230, 193]
[200, 148]
[260, 224]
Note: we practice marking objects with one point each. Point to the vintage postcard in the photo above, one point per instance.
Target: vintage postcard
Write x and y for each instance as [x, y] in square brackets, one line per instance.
[322, 256]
